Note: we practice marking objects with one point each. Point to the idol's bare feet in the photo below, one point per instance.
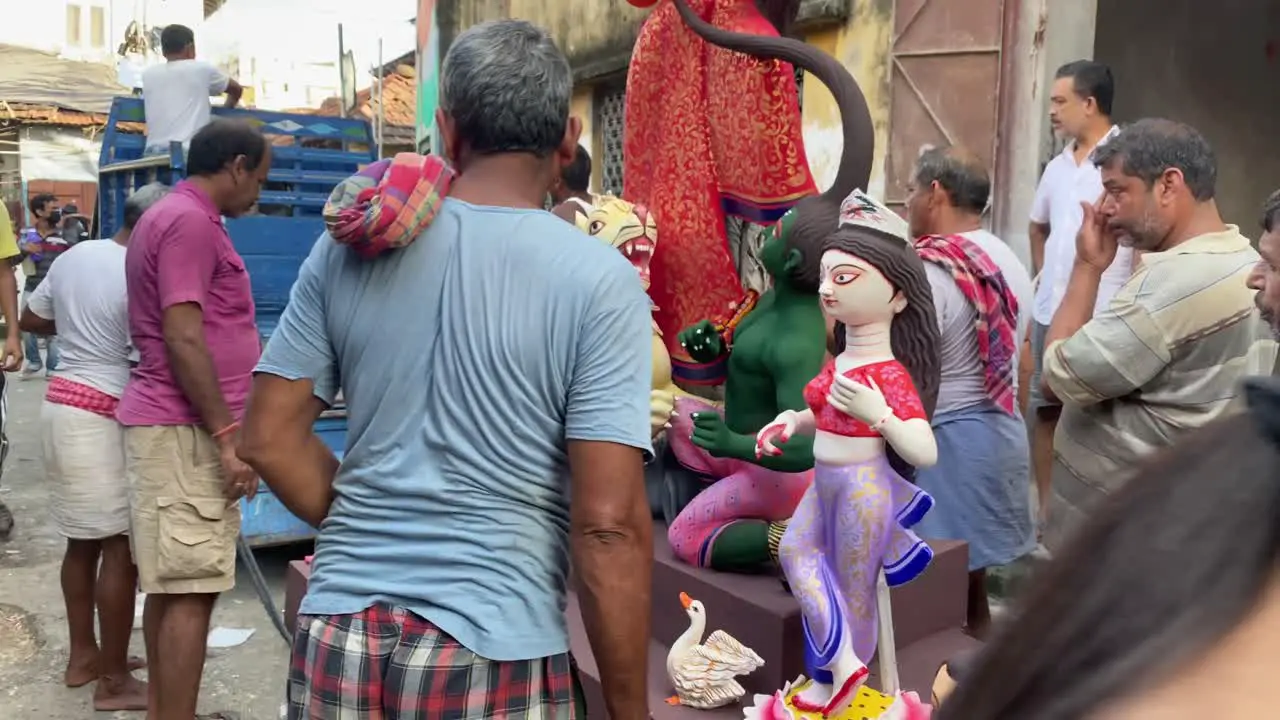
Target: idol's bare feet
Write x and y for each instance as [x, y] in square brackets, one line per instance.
[814, 697]
[849, 673]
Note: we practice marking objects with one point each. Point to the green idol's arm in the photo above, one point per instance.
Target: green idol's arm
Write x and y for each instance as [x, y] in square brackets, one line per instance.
[795, 363]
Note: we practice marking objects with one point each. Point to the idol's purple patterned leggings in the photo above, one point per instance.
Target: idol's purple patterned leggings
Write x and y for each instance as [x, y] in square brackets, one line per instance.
[852, 522]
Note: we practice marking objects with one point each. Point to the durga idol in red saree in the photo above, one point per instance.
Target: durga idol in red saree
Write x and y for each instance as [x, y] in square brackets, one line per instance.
[708, 133]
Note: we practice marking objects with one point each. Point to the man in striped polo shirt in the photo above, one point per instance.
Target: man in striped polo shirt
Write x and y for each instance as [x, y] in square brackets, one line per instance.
[1167, 355]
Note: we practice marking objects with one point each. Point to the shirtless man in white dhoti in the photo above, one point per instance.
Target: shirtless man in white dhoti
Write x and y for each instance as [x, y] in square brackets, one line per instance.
[83, 300]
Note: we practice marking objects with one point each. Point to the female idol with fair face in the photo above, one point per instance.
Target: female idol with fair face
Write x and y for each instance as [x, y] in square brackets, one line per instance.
[869, 414]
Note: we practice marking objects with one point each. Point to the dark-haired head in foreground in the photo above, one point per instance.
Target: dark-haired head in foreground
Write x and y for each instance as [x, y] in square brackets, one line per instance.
[229, 160]
[1159, 178]
[44, 212]
[575, 178]
[572, 187]
[1166, 605]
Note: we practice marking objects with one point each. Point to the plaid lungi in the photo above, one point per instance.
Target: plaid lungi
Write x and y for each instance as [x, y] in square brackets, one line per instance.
[387, 663]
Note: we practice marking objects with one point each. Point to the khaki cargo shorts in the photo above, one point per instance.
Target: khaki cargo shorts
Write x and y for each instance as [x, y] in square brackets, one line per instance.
[182, 531]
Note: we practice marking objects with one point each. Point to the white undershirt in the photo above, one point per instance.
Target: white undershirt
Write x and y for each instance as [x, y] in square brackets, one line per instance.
[86, 297]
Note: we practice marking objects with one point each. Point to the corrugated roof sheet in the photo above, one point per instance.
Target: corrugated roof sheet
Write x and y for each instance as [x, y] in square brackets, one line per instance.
[28, 114]
[34, 77]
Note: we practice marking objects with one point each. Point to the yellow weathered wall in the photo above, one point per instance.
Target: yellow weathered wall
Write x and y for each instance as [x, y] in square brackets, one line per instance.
[863, 46]
[596, 36]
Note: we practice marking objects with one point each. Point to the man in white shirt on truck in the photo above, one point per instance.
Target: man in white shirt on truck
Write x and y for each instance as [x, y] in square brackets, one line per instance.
[176, 94]
[1080, 111]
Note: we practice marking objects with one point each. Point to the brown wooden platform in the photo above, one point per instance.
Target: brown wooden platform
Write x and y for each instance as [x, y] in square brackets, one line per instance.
[757, 610]
[917, 665]
[296, 578]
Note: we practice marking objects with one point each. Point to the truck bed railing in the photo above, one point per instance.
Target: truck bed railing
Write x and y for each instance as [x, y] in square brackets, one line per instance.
[310, 154]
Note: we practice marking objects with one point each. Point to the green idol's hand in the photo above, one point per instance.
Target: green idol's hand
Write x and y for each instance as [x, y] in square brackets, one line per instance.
[710, 433]
[701, 341]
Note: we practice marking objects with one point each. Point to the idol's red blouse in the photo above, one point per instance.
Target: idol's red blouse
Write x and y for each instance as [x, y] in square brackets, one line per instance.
[890, 376]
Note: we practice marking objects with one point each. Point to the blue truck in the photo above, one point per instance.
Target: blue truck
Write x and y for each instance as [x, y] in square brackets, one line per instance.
[310, 155]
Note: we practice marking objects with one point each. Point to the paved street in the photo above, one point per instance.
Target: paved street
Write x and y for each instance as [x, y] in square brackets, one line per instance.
[248, 679]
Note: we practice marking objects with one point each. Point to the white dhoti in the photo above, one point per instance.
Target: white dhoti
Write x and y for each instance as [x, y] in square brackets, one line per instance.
[84, 463]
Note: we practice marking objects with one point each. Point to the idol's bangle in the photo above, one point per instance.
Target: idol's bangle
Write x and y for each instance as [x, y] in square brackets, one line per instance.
[878, 426]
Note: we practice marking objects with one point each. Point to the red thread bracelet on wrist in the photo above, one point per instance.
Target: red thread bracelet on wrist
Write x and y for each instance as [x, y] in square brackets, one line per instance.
[226, 430]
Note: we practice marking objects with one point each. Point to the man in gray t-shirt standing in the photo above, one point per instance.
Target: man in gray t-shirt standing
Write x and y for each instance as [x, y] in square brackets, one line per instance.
[983, 294]
[496, 371]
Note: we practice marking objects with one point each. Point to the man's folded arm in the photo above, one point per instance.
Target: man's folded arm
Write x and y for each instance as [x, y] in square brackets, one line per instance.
[1118, 351]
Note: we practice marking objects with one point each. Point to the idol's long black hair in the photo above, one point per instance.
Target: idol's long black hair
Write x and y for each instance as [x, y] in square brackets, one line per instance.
[913, 335]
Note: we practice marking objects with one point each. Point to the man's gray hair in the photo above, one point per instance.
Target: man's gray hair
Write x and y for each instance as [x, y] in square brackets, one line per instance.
[960, 173]
[507, 88]
[141, 200]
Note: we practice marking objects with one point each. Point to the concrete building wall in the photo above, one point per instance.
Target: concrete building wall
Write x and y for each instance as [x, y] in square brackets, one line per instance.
[1212, 65]
[596, 36]
[862, 44]
[1047, 34]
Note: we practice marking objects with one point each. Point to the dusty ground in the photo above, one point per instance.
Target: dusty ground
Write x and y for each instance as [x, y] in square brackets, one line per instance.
[248, 679]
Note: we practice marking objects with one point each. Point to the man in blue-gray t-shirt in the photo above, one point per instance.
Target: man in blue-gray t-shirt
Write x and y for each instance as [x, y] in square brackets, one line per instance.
[496, 373]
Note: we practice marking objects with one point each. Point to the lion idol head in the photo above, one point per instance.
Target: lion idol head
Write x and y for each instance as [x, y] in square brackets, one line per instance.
[629, 227]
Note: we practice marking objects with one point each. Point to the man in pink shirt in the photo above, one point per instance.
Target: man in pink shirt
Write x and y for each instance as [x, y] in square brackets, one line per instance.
[191, 320]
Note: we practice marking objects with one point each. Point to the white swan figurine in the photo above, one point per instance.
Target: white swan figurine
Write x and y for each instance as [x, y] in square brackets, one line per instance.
[703, 675]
